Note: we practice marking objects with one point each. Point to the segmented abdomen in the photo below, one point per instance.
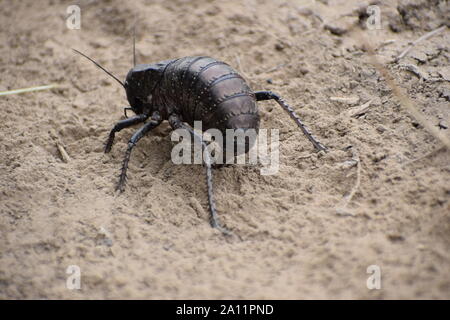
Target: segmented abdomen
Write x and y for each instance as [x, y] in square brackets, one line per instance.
[205, 89]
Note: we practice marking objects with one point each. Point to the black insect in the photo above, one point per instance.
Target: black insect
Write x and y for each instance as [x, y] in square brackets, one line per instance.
[192, 89]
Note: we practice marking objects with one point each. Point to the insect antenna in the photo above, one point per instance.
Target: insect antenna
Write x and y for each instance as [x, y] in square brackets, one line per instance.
[98, 65]
[134, 45]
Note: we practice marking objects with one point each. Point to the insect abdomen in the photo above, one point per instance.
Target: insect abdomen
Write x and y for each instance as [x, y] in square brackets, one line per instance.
[208, 90]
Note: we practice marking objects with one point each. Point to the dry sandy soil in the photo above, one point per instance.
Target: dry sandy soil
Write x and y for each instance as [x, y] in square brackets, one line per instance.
[154, 240]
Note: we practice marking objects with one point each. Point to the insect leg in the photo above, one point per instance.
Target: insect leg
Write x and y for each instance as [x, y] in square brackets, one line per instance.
[268, 95]
[176, 123]
[153, 123]
[122, 125]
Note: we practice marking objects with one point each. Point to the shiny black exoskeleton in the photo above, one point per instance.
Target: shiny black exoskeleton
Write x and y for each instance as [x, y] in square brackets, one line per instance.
[192, 89]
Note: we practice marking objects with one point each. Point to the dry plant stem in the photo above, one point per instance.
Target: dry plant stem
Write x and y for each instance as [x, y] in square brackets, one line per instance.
[405, 101]
[385, 43]
[361, 110]
[305, 157]
[422, 38]
[62, 151]
[276, 68]
[31, 89]
[435, 151]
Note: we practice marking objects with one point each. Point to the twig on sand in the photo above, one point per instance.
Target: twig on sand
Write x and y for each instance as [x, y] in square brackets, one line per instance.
[276, 68]
[342, 210]
[62, 151]
[360, 110]
[422, 38]
[59, 145]
[385, 43]
[31, 89]
[346, 100]
[305, 157]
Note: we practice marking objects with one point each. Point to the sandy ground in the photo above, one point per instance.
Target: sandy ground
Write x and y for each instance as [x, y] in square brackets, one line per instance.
[154, 241]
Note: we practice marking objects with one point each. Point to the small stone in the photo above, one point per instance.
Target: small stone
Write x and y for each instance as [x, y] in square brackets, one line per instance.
[443, 125]
[445, 93]
[303, 70]
[353, 84]
[279, 47]
[416, 124]
[381, 129]
[445, 73]
[305, 11]
[348, 164]
[396, 238]
[395, 26]
[336, 54]
[105, 82]
[99, 43]
[377, 157]
[336, 30]
[419, 56]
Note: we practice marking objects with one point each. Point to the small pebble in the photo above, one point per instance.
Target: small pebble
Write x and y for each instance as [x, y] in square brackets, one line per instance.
[381, 129]
[443, 125]
[336, 30]
[279, 47]
[445, 93]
